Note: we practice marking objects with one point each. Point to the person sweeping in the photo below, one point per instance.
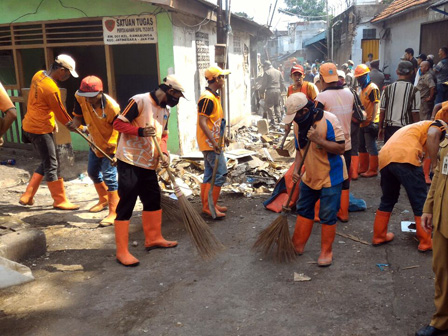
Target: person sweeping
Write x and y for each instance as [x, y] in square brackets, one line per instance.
[143, 121]
[44, 106]
[325, 171]
[210, 115]
[98, 110]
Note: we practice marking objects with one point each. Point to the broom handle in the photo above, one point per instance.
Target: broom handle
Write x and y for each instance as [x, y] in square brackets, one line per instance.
[93, 144]
[177, 190]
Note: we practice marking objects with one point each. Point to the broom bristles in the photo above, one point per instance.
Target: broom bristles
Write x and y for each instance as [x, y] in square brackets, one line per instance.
[170, 209]
[203, 238]
[276, 233]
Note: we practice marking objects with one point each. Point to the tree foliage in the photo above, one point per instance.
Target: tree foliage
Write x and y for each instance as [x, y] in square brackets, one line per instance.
[307, 8]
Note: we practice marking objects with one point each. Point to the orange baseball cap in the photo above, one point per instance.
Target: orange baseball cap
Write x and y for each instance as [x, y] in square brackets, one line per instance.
[328, 72]
[297, 68]
[90, 87]
[215, 71]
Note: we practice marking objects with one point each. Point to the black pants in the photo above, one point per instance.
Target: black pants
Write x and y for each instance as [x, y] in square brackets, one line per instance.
[348, 161]
[389, 131]
[411, 178]
[136, 182]
[45, 146]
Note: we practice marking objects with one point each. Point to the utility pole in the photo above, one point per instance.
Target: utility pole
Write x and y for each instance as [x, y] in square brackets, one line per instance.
[221, 54]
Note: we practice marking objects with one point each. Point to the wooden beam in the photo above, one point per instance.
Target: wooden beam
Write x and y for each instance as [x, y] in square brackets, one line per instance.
[110, 67]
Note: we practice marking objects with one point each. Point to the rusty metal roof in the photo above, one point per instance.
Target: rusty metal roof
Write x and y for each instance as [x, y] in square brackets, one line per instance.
[398, 7]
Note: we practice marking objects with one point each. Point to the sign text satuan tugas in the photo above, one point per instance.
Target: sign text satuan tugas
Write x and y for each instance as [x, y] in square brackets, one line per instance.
[134, 22]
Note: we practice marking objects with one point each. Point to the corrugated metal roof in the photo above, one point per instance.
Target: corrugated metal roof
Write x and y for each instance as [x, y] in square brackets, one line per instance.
[398, 7]
[315, 38]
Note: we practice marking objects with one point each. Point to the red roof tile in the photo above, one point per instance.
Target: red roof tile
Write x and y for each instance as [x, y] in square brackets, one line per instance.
[397, 7]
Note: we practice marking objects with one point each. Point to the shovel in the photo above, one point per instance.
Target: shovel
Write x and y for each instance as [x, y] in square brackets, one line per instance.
[280, 150]
[211, 205]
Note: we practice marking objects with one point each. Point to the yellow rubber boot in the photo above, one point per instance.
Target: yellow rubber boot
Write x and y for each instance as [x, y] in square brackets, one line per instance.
[27, 197]
[122, 240]
[423, 237]
[302, 233]
[113, 199]
[101, 189]
[380, 234]
[326, 250]
[152, 228]
[57, 191]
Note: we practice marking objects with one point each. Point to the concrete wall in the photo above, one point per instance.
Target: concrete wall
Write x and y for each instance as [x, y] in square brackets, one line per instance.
[10, 10]
[185, 64]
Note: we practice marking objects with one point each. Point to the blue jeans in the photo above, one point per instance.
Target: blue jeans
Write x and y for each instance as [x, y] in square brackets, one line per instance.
[330, 201]
[100, 169]
[367, 142]
[209, 163]
[411, 178]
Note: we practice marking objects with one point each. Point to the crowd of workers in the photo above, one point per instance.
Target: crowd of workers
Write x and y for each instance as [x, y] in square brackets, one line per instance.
[338, 115]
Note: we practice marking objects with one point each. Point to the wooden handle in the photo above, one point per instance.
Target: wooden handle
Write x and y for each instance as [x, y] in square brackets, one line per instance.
[114, 161]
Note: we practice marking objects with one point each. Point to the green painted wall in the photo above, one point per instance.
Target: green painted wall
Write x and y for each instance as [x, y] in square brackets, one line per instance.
[23, 11]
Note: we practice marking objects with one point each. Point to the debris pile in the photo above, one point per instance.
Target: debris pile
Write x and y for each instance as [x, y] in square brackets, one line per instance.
[253, 164]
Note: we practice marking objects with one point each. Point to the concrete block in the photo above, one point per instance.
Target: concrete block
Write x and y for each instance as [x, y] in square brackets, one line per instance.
[263, 126]
[24, 244]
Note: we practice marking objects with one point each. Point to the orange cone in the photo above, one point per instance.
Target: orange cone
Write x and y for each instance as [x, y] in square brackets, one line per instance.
[380, 234]
[302, 233]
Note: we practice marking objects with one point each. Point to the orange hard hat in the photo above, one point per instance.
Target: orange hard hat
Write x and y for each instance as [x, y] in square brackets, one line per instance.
[361, 69]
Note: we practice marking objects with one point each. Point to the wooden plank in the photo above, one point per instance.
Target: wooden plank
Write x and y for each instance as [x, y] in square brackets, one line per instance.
[112, 88]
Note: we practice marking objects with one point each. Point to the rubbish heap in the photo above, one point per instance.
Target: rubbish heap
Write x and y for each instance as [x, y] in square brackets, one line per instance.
[253, 164]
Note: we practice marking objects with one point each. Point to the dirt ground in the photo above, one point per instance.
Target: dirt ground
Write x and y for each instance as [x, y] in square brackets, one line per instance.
[81, 290]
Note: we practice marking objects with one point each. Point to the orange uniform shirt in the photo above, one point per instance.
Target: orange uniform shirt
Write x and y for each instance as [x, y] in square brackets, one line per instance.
[44, 104]
[407, 144]
[309, 89]
[100, 122]
[442, 114]
[323, 169]
[369, 97]
[140, 151]
[209, 105]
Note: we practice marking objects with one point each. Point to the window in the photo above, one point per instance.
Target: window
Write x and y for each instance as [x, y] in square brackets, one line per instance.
[369, 34]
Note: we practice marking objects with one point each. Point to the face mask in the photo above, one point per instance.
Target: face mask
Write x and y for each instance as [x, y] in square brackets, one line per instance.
[172, 101]
[302, 118]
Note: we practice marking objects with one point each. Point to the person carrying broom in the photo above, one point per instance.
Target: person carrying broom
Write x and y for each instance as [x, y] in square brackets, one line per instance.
[145, 116]
[325, 171]
[210, 116]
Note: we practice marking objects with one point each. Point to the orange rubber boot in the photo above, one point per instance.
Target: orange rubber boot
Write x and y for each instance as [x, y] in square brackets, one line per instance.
[152, 227]
[205, 188]
[380, 234]
[57, 191]
[122, 241]
[363, 162]
[28, 196]
[302, 233]
[373, 167]
[354, 166]
[101, 189]
[113, 199]
[216, 193]
[345, 203]
[427, 169]
[316, 211]
[326, 246]
[423, 237]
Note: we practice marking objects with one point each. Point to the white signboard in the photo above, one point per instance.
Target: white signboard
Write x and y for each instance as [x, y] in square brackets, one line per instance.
[133, 29]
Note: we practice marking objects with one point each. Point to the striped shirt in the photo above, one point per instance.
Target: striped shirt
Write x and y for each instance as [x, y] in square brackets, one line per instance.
[399, 100]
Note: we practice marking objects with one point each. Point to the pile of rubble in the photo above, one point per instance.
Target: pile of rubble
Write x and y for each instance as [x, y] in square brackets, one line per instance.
[253, 163]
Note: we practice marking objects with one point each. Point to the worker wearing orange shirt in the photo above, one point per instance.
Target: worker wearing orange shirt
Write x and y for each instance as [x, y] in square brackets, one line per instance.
[400, 163]
[44, 106]
[8, 108]
[98, 111]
